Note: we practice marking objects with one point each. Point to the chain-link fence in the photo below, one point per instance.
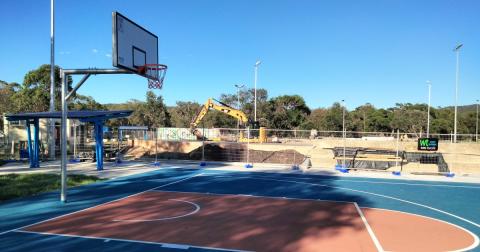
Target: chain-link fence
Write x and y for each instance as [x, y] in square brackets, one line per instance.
[387, 151]
[219, 145]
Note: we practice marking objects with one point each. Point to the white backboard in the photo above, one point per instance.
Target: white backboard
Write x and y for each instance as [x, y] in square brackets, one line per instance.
[133, 46]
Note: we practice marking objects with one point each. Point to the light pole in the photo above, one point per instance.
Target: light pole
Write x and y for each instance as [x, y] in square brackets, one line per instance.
[476, 126]
[428, 109]
[51, 129]
[255, 89]
[238, 86]
[457, 51]
[344, 132]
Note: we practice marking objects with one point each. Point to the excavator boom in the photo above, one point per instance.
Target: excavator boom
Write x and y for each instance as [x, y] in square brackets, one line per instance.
[222, 107]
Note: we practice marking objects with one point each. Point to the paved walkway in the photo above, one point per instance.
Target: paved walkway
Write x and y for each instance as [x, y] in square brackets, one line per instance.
[112, 170]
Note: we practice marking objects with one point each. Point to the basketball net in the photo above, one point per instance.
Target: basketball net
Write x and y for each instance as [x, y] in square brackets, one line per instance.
[155, 73]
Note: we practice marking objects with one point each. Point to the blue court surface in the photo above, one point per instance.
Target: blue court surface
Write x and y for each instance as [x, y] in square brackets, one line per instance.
[455, 203]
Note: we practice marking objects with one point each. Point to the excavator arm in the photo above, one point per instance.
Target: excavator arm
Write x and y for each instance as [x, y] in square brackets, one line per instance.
[222, 107]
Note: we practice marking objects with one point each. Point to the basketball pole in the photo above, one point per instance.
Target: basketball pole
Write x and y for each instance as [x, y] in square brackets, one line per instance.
[344, 133]
[51, 130]
[64, 74]
[63, 142]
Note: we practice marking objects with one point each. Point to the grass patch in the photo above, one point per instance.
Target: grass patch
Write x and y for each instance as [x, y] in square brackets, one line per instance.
[21, 185]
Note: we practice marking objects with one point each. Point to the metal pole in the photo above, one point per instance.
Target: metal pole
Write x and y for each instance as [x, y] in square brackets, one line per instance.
[156, 146]
[428, 109]
[255, 89]
[238, 104]
[396, 155]
[63, 137]
[248, 145]
[51, 130]
[74, 140]
[457, 50]
[238, 101]
[476, 126]
[203, 142]
[344, 132]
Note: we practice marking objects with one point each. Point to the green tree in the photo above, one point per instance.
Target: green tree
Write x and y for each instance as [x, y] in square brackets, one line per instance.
[183, 114]
[82, 102]
[334, 117]
[7, 90]
[134, 119]
[152, 113]
[287, 112]
[316, 119]
[411, 118]
[34, 93]
[247, 98]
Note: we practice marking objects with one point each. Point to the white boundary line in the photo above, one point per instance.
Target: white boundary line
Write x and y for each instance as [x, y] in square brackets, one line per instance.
[476, 240]
[197, 208]
[108, 202]
[369, 229]
[165, 245]
[370, 182]
[371, 193]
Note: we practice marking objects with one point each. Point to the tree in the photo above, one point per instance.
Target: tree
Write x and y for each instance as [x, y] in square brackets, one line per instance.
[409, 118]
[153, 113]
[82, 102]
[183, 114]
[247, 98]
[287, 112]
[316, 119]
[333, 117]
[134, 119]
[7, 90]
[34, 93]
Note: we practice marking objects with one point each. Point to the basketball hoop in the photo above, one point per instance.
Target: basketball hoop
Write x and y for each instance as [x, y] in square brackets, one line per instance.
[155, 73]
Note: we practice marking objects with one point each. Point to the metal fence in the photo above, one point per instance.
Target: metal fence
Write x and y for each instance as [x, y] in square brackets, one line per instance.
[388, 151]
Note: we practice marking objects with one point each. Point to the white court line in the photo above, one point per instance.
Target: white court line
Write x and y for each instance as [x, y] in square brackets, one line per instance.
[151, 189]
[371, 193]
[256, 196]
[476, 240]
[369, 229]
[165, 245]
[370, 182]
[197, 208]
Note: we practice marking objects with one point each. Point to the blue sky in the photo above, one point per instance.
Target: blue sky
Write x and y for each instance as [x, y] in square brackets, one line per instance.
[380, 52]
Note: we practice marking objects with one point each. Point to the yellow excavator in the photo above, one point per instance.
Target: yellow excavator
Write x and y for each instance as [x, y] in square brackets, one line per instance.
[235, 113]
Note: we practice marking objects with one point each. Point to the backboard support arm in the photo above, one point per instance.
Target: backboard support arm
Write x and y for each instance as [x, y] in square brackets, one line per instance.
[64, 73]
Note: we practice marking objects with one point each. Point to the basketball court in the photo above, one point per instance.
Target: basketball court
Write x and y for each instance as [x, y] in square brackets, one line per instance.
[189, 208]
[181, 208]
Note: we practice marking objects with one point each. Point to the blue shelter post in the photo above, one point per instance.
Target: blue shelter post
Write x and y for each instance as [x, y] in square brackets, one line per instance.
[99, 144]
[36, 146]
[29, 142]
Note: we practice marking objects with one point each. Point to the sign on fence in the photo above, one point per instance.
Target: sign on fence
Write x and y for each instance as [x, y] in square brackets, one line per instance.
[180, 134]
[428, 144]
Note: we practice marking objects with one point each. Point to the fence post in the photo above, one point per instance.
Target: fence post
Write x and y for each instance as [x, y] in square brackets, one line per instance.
[156, 163]
[396, 155]
[203, 163]
[248, 165]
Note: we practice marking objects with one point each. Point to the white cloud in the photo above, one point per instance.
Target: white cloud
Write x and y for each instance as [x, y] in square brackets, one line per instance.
[64, 52]
[94, 50]
[108, 55]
